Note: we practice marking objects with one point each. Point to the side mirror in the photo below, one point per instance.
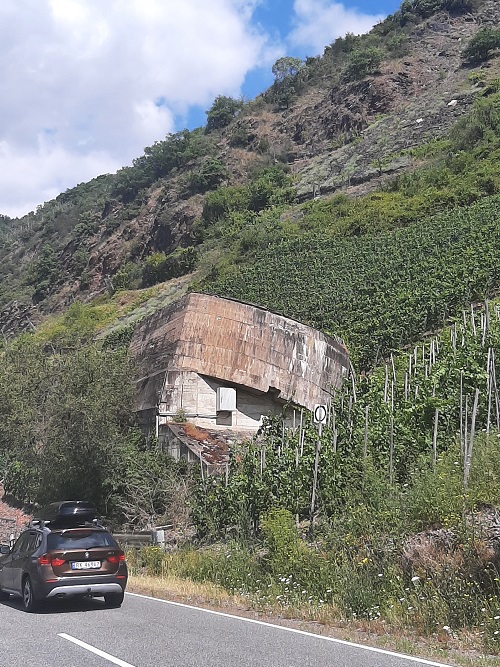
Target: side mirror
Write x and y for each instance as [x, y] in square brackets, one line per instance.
[4, 549]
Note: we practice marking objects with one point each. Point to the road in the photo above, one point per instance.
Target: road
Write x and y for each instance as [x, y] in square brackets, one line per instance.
[146, 632]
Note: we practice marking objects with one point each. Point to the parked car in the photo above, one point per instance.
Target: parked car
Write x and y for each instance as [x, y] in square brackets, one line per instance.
[64, 553]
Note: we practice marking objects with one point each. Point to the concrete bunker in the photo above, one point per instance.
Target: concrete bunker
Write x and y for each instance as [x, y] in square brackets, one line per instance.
[222, 365]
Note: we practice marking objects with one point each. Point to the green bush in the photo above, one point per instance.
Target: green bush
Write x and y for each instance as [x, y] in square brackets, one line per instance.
[222, 112]
[160, 267]
[362, 62]
[482, 46]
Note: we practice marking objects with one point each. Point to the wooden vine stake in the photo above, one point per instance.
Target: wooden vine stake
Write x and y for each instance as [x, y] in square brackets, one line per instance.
[462, 445]
[495, 388]
[365, 442]
[468, 453]
[434, 437]
[301, 434]
[391, 447]
[489, 390]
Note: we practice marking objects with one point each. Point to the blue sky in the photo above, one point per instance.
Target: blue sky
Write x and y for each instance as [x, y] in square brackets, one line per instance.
[278, 19]
[87, 84]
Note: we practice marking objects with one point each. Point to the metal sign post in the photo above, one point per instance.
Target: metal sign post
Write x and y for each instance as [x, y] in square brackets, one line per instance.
[319, 417]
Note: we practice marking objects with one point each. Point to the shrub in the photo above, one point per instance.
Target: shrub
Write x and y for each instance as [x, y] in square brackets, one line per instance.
[363, 62]
[482, 46]
[281, 539]
[222, 112]
[160, 267]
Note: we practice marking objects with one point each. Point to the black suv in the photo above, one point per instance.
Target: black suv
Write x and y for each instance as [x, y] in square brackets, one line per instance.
[65, 552]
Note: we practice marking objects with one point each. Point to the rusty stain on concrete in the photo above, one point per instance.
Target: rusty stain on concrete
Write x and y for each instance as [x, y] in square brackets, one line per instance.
[237, 343]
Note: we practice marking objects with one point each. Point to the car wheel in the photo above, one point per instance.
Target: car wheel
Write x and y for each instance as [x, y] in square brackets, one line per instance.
[114, 599]
[30, 603]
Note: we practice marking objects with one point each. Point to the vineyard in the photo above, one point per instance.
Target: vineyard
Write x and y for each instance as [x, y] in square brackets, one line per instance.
[423, 405]
[378, 291]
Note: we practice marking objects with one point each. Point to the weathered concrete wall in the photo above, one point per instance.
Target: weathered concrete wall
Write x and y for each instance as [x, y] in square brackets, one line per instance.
[239, 344]
[195, 395]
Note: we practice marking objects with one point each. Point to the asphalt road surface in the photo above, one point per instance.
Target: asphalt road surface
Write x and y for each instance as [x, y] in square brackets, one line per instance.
[146, 632]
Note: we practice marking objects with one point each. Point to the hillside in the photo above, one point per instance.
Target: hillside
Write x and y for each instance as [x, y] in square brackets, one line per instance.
[344, 122]
[360, 195]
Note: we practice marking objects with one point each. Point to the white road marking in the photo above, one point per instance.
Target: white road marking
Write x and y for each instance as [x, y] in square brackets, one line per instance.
[92, 649]
[410, 658]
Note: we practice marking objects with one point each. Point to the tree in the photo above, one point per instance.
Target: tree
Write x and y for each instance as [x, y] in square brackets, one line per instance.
[160, 267]
[458, 6]
[211, 174]
[45, 272]
[222, 112]
[287, 83]
[175, 151]
[65, 421]
[286, 68]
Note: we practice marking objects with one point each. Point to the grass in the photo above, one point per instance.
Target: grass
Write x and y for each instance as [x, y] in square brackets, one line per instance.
[170, 587]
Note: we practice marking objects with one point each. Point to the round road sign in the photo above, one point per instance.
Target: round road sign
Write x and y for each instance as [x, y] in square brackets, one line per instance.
[319, 414]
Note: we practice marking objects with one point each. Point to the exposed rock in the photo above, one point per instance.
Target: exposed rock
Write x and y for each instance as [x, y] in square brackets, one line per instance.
[434, 550]
[17, 318]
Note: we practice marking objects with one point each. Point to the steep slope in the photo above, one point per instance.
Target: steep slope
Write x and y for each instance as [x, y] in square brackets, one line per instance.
[337, 125]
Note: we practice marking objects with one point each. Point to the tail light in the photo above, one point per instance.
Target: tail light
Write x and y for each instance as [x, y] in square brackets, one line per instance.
[57, 561]
[47, 559]
[117, 558]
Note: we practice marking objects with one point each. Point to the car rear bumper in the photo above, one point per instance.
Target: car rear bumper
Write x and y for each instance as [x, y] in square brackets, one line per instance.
[84, 589]
[69, 586]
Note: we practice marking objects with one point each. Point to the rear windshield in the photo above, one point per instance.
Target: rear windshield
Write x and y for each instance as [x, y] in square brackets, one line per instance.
[80, 539]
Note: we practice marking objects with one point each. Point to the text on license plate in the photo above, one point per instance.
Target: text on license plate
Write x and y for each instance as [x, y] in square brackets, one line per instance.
[86, 565]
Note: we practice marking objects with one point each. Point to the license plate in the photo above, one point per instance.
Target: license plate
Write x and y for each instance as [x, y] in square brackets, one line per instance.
[86, 565]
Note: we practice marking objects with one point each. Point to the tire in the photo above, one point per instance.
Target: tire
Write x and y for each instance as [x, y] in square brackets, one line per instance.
[114, 600]
[30, 603]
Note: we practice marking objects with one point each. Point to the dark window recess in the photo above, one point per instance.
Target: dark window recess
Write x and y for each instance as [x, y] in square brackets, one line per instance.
[80, 540]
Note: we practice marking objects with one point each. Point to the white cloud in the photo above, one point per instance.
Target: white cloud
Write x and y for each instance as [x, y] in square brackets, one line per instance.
[319, 22]
[30, 177]
[82, 80]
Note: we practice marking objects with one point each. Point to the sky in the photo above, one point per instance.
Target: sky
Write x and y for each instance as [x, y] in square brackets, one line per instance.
[87, 84]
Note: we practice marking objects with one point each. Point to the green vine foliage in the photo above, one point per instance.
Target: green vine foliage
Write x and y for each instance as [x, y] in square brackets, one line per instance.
[360, 472]
[379, 292]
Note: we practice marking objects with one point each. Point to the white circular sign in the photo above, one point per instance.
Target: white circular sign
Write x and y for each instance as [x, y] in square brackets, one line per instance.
[320, 414]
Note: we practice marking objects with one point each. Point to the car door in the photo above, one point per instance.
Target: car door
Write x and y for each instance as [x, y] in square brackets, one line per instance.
[10, 561]
[21, 559]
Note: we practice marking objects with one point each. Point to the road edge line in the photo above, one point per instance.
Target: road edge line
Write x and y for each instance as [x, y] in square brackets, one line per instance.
[373, 649]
